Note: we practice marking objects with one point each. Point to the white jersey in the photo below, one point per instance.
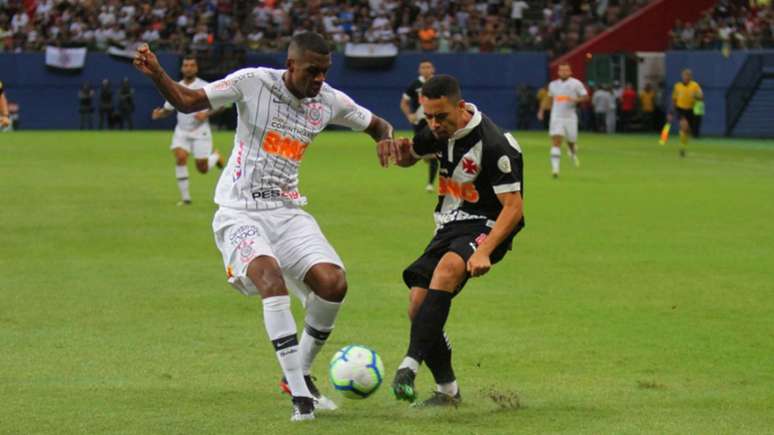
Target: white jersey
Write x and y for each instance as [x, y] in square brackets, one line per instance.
[274, 128]
[564, 94]
[186, 122]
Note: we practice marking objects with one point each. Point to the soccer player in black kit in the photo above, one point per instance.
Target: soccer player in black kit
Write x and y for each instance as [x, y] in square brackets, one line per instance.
[479, 212]
[412, 109]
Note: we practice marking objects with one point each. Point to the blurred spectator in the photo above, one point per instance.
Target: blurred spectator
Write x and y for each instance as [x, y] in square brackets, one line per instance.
[628, 107]
[86, 106]
[126, 104]
[604, 109]
[105, 104]
[517, 14]
[648, 107]
[427, 35]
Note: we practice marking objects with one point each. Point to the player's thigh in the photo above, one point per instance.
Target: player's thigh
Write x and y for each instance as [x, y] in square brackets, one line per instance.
[180, 144]
[571, 131]
[300, 245]
[556, 128]
[201, 147]
[450, 273]
[241, 240]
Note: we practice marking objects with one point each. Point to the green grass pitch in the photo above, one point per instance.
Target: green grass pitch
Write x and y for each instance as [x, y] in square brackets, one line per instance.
[639, 298]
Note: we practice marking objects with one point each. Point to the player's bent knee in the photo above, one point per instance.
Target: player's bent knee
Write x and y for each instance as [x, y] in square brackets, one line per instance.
[327, 281]
[266, 275]
[449, 273]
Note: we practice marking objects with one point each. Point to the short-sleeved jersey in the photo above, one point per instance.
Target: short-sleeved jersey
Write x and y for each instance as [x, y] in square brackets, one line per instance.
[564, 93]
[684, 95]
[476, 164]
[274, 128]
[186, 122]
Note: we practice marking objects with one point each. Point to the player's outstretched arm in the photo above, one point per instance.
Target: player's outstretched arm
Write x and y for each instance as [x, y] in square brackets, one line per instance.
[160, 113]
[513, 209]
[183, 99]
[381, 131]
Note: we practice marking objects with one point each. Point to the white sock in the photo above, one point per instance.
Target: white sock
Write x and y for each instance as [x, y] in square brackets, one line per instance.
[282, 332]
[556, 155]
[181, 172]
[320, 317]
[212, 160]
[409, 362]
[449, 389]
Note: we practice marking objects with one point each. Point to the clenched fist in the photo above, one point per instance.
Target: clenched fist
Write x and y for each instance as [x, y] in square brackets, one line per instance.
[146, 62]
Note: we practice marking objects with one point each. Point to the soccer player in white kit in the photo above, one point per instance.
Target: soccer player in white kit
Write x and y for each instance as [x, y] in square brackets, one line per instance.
[268, 242]
[192, 133]
[566, 92]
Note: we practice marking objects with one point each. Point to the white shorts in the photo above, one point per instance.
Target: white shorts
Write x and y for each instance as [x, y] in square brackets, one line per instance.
[197, 143]
[288, 234]
[564, 127]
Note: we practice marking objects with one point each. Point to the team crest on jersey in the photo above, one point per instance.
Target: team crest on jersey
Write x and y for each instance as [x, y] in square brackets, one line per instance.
[469, 166]
[314, 113]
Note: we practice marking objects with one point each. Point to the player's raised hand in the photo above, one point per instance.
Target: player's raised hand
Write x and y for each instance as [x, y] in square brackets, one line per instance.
[146, 62]
[478, 264]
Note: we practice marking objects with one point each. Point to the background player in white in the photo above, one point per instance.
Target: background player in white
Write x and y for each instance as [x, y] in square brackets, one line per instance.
[269, 244]
[566, 92]
[192, 133]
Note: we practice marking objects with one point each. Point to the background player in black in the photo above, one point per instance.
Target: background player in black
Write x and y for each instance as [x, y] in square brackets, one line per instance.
[411, 107]
[479, 212]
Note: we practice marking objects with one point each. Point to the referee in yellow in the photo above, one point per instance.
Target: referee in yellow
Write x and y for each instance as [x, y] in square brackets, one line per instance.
[684, 96]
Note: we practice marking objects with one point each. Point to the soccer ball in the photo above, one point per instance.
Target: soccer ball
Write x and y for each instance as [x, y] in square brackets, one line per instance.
[356, 371]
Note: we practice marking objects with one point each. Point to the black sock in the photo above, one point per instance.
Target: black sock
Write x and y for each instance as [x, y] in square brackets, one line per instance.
[428, 324]
[439, 361]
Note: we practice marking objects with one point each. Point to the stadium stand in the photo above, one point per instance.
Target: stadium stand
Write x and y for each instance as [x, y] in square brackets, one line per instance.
[425, 25]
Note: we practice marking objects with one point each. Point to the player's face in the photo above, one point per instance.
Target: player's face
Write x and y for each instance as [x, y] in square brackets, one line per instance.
[687, 76]
[564, 72]
[426, 70]
[307, 73]
[442, 115]
[189, 69]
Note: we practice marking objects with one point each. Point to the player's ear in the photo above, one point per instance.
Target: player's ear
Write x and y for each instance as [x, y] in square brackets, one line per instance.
[461, 104]
[290, 64]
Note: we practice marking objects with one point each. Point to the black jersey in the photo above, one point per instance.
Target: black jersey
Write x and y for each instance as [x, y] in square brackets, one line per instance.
[413, 92]
[477, 163]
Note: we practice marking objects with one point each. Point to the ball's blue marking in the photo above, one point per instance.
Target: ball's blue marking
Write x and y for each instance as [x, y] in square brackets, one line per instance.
[373, 366]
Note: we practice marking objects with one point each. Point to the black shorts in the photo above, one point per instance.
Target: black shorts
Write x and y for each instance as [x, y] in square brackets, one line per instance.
[687, 114]
[460, 238]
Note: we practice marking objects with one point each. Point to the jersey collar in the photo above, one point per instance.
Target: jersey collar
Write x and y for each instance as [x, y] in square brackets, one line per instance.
[473, 123]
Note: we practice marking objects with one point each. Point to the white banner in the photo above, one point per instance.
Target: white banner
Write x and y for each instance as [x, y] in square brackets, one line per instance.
[65, 58]
[371, 50]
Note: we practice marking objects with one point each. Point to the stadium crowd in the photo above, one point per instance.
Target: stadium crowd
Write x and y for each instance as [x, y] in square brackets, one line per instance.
[425, 25]
[737, 24]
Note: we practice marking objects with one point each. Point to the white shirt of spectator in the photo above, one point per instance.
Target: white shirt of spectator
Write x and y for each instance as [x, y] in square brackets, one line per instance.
[564, 94]
[517, 9]
[186, 122]
[19, 21]
[274, 129]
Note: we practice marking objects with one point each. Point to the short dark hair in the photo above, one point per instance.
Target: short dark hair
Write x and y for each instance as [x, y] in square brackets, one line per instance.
[442, 85]
[189, 57]
[311, 41]
[425, 61]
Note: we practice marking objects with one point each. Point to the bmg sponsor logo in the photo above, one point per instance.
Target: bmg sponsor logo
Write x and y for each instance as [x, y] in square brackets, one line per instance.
[241, 233]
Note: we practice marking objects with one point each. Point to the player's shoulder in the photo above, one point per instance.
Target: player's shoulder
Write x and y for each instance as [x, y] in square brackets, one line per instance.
[250, 74]
[493, 137]
[332, 96]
